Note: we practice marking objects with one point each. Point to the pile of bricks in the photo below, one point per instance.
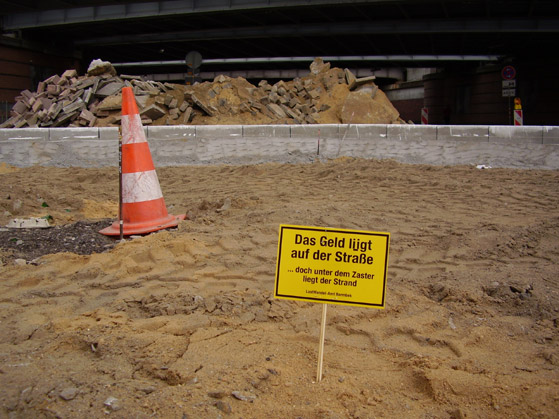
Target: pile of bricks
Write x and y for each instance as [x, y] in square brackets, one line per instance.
[95, 100]
[69, 100]
[297, 100]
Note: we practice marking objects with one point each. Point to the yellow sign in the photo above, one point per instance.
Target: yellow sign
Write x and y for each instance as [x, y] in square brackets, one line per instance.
[335, 266]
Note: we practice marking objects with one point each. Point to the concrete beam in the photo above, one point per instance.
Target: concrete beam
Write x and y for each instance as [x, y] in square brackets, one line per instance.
[143, 10]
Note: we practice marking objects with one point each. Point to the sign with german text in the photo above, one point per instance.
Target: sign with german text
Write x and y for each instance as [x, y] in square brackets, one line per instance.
[509, 92]
[336, 266]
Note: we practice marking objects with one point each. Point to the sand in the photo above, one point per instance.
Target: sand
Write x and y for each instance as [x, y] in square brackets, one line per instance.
[183, 323]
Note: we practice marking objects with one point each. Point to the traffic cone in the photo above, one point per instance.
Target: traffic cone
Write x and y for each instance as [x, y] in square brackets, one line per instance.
[143, 206]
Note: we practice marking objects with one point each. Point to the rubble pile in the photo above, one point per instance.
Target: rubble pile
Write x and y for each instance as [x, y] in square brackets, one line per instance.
[326, 95]
[69, 100]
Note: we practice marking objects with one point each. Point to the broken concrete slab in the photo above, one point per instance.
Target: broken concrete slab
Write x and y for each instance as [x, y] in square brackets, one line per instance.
[206, 107]
[65, 118]
[73, 106]
[111, 103]
[98, 67]
[141, 101]
[364, 80]
[187, 115]
[167, 99]
[276, 110]
[319, 66]
[54, 89]
[110, 89]
[294, 114]
[370, 89]
[153, 112]
[20, 107]
[28, 223]
[350, 78]
[184, 106]
[70, 73]
[88, 117]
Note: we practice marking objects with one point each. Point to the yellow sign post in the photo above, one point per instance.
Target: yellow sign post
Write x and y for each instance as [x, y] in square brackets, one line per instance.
[332, 266]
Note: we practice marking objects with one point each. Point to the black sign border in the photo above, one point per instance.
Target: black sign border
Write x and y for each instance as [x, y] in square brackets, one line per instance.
[326, 300]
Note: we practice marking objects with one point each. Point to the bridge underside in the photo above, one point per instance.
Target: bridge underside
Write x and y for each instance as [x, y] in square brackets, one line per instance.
[409, 33]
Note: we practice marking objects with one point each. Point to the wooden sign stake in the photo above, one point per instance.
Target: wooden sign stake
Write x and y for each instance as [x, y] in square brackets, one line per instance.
[120, 221]
[321, 344]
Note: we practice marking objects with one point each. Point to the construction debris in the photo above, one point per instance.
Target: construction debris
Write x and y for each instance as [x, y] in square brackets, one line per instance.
[326, 95]
[29, 223]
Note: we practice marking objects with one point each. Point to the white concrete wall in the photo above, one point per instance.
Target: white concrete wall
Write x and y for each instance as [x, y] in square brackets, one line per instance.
[496, 146]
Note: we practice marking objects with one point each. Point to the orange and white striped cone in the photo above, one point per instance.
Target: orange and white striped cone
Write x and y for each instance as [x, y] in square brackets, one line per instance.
[143, 206]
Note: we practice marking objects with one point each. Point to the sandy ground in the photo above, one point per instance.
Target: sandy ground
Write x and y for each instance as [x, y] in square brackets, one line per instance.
[183, 323]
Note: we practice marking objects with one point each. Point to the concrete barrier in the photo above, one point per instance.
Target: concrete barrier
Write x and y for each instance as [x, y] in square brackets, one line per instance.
[496, 146]
[550, 135]
[411, 132]
[463, 133]
[367, 132]
[173, 132]
[516, 135]
[315, 131]
[219, 131]
[267, 131]
[33, 134]
[108, 133]
[60, 134]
